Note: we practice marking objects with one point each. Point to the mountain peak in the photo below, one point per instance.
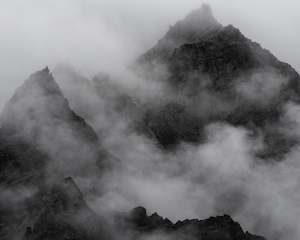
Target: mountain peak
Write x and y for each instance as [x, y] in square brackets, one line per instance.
[40, 114]
[46, 69]
[204, 13]
[196, 25]
[39, 95]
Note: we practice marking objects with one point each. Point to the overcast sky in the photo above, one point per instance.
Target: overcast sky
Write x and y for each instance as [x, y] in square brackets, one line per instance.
[95, 35]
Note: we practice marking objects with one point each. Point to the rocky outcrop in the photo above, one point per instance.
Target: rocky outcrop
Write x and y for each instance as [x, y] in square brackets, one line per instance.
[142, 225]
[215, 74]
[194, 26]
[65, 215]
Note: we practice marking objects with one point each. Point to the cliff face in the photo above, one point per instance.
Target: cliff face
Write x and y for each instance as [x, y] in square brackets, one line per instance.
[218, 75]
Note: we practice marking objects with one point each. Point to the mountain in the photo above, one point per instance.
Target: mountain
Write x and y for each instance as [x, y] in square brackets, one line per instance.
[65, 215]
[194, 26]
[218, 75]
[39, 115]
[41, 140]
[39, 100]
[212, 74]
[140, 225]
[101, 100]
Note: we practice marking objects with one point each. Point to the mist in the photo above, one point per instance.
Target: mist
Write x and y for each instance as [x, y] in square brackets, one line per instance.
[89, 45]
[102, 35]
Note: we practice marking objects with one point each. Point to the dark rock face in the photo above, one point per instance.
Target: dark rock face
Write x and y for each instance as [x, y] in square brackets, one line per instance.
[155, 226]
[169, 125]
[64, 214]
[219, 75]
[224, 57]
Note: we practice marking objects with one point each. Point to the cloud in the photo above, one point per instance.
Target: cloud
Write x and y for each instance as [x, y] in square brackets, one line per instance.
[261, 87]
[102, 35]
[221, 175]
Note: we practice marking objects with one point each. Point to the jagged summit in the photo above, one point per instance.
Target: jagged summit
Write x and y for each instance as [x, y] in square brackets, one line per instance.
[213, 228]
[38, 103]
[193, 27]
[40, 116]
[46, 70]
[204, 11]
[200, 18]
[219, 71]
[40, 82]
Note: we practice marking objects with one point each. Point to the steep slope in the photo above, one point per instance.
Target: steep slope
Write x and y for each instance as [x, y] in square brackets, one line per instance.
[41, 101]
[40, 115]
[41, 140]
[101, 101]
[219, 75]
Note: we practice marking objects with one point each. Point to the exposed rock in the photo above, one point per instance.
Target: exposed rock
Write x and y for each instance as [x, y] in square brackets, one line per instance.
[214, 228]
[211, 68]
[219, 75]
[65, 215]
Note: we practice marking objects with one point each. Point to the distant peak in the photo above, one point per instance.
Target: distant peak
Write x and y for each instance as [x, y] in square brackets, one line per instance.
[206, 7]
[44, 81]
[201, 16]
[204, 11]
[42, 74]
[194, 26]
[46, 70]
